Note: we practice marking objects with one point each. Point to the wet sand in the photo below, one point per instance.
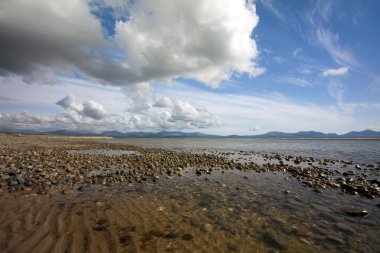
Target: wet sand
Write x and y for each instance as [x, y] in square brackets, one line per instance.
[222, 211]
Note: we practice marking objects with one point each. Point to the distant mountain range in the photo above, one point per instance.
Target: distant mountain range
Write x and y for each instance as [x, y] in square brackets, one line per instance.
[313, 134]
[173, 134]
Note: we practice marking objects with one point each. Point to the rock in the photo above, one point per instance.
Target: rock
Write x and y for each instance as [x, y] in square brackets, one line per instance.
[207, 227]
[99, 204]
[287, 192]
[170, 236]
[27, 189]
[187, 237]
[232, 247]
[51, 192]
[321, 231]
[375, 181]
[334, 240]
[356, 212]
[67, 192]
[273, 241]
[13, 183]
[305, 241]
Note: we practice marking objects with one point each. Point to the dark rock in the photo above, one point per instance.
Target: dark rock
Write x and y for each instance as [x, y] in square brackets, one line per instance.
[375, 181]
[125, 239]
[232, 247]
[273, 241]
[170, 236]
[187, 237]
[356, 212]
[334, 240]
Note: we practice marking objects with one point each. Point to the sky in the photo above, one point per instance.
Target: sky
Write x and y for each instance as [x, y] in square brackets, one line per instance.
[212, 66]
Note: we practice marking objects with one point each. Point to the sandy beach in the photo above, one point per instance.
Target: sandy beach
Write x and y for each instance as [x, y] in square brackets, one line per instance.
[81, 195]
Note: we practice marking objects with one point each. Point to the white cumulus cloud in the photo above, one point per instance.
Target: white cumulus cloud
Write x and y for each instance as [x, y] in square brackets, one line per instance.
[89, 109]
[206, 40]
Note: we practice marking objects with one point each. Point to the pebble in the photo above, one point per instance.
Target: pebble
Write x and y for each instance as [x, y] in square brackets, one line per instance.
[334, 240]
[99, 204]
[356, 212]
[187, 237]
[207, 227]
[271, 240]
[305, 241]
[232, 247]
[67, 192]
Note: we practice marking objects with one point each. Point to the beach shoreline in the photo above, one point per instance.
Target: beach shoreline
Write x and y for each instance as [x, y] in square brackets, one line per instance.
[80, 194]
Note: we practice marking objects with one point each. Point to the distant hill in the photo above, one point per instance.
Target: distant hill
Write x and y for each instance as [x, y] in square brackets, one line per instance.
[178, 134]
[362, 134]
[162, 134]
[71, 133]
[302, 134]
[313, 134]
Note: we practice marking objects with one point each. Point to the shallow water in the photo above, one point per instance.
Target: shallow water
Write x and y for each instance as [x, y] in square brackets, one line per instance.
[225, 211]
[362, 151]
[232, 211]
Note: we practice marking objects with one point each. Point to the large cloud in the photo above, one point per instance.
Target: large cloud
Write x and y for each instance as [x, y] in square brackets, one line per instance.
[205, 40]
[42, 34]
[208, 40]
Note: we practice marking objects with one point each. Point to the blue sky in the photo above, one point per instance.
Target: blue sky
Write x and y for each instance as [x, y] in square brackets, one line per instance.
[216, 66]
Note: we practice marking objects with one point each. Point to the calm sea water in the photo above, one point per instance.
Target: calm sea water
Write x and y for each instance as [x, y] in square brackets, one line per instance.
[361, 151]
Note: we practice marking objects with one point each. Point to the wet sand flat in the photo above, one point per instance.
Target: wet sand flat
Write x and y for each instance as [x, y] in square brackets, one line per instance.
[191, 209]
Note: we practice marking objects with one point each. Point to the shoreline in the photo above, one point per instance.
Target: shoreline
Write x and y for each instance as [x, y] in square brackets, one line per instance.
[98, 197]
[46, 164]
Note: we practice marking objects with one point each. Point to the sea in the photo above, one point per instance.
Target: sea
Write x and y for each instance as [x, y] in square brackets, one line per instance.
[359, 150]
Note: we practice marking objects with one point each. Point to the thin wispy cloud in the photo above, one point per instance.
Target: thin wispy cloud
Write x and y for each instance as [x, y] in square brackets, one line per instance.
[298, 81]
[335, 72]
[330, 42]
[268, 4]
[296, 52]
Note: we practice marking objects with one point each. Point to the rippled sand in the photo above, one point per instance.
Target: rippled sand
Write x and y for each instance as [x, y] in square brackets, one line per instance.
[227, 212]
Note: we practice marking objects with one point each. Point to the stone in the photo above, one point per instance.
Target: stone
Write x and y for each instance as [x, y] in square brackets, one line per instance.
[67, 192]
[232, 247]
[334, 240]
[356, 212]
[187, 237]
[207, 227]
[271, 240]
[305, 241]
